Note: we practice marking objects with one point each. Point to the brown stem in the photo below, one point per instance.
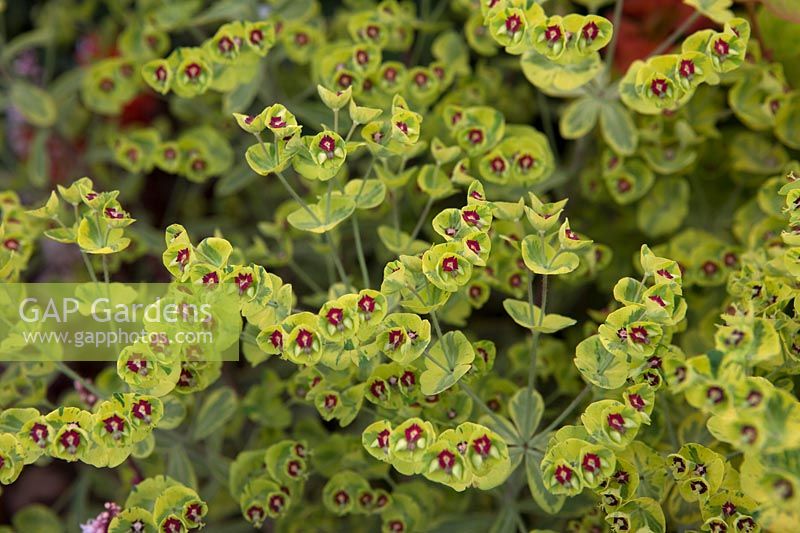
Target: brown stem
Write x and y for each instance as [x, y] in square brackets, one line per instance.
[751, 13]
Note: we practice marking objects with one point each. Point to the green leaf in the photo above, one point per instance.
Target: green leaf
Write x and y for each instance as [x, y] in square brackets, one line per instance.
[38, 164]
[550, 503]
[664, 208]
[323, 216]
[541, 258]
[526, 408]
[36, 105]
[366, 194]
[618, 128]
[520, 312]
[180, 468]
[716, 10]
[601, 367]
[579, 118]
[446, 363]
[37, 517]
[91, 238]
[399, 242]
[217, 408]
[265, 163]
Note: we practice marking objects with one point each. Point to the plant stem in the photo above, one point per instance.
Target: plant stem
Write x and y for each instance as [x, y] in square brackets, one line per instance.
[567, 411]
[362, 262]
[337, 262]
[106, 277]
[305, 278]
[422, 218]
[612, 48]
[675, 35]
[436, 325]
[547, 122]
[466, 388]
[84, 255]
[535, 334]
[475, 398]
[67, 371]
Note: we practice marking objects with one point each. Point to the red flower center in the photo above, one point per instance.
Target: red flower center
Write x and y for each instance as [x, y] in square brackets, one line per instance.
[446, 460]
[482, 445]
[563, 474]
[590, 462]
[715, 394]
[664, 274]
[475, 136]
[421, 79]
[616, 422]
[256, 36]
[172, 525]
[193, 71]
[276, 503]
[304, 339]
[362, 57]
[331, 401]
[408, 379]
[571, 235]
[243, 281]
[396, 338]
[402, 126]
[277, 122]
[11, 244]
[367, 304]
[687, 68]
[345, 80]
[450, 264]
[639, 335]
[210, 278]
[412, 434]
[161, 73]
[710, 268]
[526, 162]
[373, 31]
[515, 280]
[390, 74]
[142, 410]
[378, 388]
[383, 438]
[470, 217]
[70, 440]
[749, 434]
[552, 34]
[590, 31]
[225, 45]
[659, 300]
[335, 316]
[636, 401]
[474, 246]
[38, 434]
[721, 48]
[327, 144]
[513, 24]
[301, 39]
[659, 87]
[498, 165]
[276, 338]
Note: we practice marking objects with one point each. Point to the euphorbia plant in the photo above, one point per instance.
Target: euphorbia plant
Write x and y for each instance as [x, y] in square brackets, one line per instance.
[466, 266]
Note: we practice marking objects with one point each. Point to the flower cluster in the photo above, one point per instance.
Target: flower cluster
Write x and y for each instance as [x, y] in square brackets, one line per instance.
[468, 455]
[104, 437]
[669, 81]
